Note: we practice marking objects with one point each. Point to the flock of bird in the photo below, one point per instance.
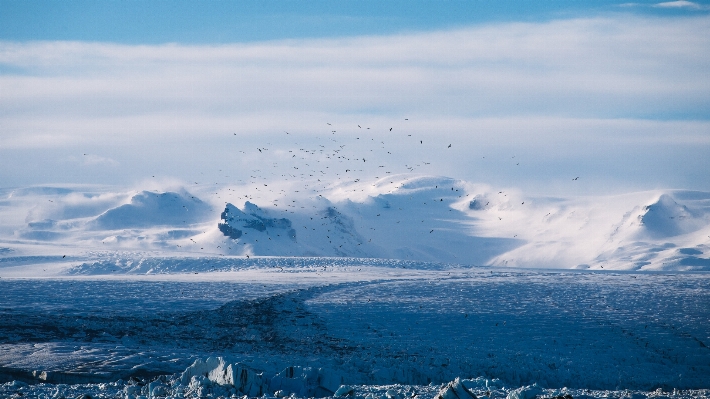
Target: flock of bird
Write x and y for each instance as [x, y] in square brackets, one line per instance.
[294, 173]
[310, 166]
[318, 163]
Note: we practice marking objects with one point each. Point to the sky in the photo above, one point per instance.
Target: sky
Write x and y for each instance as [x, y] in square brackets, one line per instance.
[507, 93]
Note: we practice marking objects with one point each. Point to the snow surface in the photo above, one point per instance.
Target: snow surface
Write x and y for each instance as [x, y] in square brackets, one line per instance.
[357, 323]
[405, 286]
[406, 217]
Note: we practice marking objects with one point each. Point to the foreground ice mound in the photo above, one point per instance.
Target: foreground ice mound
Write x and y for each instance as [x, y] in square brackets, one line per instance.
[456, 390]
[306, 382]
[216, 371]
[201, 386]
[528, 392]
[216, 375]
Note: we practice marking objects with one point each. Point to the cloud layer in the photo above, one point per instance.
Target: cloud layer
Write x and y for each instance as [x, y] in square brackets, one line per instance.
[619, 80]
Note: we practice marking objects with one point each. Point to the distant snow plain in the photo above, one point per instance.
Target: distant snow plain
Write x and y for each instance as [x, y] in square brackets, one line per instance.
[404, 216]
[390, 287]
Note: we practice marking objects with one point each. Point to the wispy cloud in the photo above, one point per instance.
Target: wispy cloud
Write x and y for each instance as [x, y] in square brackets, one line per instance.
[609, 67]
[682, 4]
[92, 160]
[678, 4]
[601, 80]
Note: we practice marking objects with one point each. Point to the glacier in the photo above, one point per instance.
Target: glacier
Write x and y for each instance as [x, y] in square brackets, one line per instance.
[401, 287]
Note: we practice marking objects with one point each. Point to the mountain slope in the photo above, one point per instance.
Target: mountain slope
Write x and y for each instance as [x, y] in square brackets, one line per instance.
[409, 217]
[148, 209]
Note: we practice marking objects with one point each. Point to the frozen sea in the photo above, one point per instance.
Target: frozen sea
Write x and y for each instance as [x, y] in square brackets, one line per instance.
[409, 326]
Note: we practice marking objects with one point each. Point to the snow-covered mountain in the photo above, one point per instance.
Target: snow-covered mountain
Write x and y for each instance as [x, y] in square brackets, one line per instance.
[351, 287]
[408, 217]
[147, 209]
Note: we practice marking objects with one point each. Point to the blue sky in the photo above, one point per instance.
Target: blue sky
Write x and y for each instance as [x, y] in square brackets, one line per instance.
[204, 22]
[119, 92]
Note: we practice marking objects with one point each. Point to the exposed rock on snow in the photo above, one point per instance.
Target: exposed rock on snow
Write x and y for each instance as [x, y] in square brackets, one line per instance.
[234, 221]
[478, 203]
[328, 232]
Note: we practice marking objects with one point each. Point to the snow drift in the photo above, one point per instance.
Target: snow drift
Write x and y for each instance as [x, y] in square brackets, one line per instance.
[407, 217]
[147, 209]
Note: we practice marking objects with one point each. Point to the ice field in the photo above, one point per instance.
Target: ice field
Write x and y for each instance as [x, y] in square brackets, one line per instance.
[355, 199]
[410, 326]
[407, 286]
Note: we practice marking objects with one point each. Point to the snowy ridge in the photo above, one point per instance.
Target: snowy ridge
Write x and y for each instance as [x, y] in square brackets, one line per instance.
[148, 209]
[406, 217]
[173, 265]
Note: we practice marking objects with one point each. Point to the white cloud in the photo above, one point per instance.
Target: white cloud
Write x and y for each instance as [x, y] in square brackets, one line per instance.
[604, 67]
[681, 4]
[616, 79]
[91, 159]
